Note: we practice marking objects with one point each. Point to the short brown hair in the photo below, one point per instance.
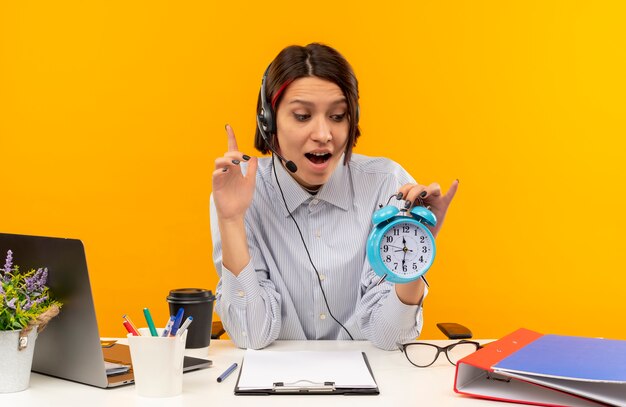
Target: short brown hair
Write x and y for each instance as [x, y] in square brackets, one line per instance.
[317, 60]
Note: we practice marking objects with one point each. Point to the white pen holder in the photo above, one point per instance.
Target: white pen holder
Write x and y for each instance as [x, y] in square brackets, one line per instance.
[157, 363]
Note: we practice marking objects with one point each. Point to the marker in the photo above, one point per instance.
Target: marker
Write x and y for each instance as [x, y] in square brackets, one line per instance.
[179, 319]
[132, 326]
[146, 313]
[168, 326]
[130, 329]
[184, 326]
[227, 372]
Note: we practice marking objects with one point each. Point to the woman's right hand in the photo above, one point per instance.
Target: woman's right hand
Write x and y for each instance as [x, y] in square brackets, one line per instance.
[232, 190]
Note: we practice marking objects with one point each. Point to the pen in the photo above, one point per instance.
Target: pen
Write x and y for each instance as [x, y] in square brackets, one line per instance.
[132, 326]
[179, 319]
[130, 329]
[227, 372]
[146, 313]
[168, 326]
[184, 326]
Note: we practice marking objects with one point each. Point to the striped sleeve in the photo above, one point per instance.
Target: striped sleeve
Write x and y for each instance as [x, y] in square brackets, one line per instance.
[248, 304]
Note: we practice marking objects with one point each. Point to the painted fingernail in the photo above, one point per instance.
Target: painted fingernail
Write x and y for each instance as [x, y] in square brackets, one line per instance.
[423, 194]
[399, 196]
[236, 162]
[407, 204]
[226, 126]
[245, 157]
[224, 169]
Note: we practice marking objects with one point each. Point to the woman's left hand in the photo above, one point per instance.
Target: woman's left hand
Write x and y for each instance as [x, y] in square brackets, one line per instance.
[432, 198]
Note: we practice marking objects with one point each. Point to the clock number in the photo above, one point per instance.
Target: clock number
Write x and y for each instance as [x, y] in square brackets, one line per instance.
[389, 239]
[421, 259]
[404, 268]
[414, 266]
[388, 258]
[395, 266]
[422, 238]
[385, 248]
[406, 229]
[396, 232]
[424, 249]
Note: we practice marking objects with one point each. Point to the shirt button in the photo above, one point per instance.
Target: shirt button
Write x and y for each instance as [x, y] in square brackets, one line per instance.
[322, 316]
[240, 293]
[322, 277]
[318, 233]
[244, 333]
[315, 201]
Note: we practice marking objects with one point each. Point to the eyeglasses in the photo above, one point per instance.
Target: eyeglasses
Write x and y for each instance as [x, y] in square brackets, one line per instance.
[423, 354]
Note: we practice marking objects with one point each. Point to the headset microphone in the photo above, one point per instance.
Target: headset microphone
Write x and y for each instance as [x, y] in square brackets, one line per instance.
[291, 166]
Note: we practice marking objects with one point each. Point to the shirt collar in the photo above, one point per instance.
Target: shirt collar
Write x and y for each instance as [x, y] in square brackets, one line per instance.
[337, 191]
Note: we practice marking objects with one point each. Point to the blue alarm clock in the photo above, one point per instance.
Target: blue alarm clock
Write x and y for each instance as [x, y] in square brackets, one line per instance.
[400, 248]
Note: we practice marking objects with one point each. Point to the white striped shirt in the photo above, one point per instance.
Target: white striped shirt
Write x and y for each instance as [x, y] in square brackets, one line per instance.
[277, 294]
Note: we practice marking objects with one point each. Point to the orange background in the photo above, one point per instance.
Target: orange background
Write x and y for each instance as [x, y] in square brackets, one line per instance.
[111, 114]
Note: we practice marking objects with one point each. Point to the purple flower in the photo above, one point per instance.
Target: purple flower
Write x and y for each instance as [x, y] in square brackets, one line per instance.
[44, 276]
[37, 282]
[9, 263]
[31, 283]
[11, 303]
[40, 300]
[27, 304]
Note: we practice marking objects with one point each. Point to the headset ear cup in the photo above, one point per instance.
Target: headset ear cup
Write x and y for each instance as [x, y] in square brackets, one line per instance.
[261, 122]
[268, 119]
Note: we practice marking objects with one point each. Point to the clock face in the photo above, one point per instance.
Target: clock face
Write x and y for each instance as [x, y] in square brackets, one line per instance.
[407, 249]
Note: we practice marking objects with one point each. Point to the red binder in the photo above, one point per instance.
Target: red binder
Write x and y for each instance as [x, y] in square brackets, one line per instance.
[522, 381]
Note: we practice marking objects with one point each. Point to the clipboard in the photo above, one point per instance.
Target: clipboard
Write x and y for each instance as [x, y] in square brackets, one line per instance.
[300, 373]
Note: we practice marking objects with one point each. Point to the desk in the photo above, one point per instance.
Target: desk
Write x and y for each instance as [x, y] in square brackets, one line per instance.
[400, 383]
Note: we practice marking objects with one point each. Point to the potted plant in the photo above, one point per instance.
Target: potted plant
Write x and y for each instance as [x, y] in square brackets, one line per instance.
[26, 306]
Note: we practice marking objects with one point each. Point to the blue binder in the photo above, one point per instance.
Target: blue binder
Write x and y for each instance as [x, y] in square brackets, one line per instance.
[592, 368]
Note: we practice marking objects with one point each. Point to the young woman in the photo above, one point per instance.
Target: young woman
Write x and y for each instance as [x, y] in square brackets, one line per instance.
[289, 231]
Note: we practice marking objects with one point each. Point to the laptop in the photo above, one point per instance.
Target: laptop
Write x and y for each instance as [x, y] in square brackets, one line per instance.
[70, 347]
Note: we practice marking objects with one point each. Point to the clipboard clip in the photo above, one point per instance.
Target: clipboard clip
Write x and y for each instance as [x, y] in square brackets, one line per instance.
[304, 386]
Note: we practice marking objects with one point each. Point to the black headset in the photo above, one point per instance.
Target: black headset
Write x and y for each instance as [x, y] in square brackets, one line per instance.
[267, 123]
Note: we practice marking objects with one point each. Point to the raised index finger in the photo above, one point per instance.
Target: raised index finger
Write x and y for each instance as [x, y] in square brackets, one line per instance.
[452, 190]
[232, 141]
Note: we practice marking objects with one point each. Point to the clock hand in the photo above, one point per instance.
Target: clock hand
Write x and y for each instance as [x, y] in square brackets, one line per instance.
[404, 249]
